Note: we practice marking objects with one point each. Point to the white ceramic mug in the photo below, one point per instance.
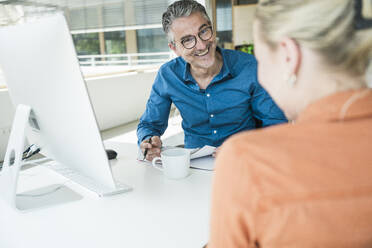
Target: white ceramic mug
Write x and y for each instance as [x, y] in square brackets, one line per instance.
[175, 163]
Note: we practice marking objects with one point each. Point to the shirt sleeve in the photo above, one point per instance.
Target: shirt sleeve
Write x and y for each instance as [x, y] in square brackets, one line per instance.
[154, 121]
[265, 111]
[233, 201]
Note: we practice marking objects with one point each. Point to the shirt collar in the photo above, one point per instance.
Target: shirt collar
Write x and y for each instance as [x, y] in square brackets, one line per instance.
[341, 106]
[186, 72]
[224, 73]
[226, 70]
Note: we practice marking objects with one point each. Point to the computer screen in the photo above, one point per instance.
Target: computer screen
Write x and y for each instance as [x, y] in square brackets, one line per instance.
[41, 70]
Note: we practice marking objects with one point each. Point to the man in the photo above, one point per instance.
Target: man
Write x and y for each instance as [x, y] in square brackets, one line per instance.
[215, 90]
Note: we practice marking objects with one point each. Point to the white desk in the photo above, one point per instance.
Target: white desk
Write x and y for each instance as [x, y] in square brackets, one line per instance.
[158, 213]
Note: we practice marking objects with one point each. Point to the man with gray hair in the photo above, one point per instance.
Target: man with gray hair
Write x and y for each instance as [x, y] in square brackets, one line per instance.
[216, 90]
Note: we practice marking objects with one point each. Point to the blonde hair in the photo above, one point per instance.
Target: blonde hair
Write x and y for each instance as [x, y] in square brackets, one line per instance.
[326, 26]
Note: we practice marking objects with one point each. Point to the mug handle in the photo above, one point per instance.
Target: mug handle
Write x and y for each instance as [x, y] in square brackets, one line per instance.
[157, 166]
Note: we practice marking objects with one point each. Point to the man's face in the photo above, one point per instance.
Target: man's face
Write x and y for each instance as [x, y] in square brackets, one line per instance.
[203, 54]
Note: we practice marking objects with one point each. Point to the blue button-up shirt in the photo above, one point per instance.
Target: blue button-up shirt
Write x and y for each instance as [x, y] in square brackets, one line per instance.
[234, 101]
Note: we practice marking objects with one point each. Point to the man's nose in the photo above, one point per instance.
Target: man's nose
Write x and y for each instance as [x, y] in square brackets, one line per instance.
[200, 44]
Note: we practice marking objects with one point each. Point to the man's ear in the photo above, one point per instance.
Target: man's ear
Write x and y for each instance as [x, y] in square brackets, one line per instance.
[172, 46]
[291, 55]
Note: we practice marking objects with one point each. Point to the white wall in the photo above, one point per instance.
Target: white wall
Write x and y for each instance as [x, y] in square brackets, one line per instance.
[6, 109]
[243, 16]
[120, 99]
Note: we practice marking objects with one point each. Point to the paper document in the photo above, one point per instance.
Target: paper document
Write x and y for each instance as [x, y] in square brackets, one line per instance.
[202, 152]
[203, 163]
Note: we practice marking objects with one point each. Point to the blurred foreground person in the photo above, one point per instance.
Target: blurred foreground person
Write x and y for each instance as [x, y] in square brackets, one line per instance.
[306, 184]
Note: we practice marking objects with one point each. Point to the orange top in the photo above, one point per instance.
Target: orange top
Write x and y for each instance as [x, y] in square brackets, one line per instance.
[299, 185]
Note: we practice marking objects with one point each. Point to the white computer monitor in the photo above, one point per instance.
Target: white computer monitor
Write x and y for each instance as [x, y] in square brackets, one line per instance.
[41, 70]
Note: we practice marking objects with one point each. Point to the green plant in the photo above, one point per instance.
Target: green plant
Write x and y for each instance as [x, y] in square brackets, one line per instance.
[247, 48]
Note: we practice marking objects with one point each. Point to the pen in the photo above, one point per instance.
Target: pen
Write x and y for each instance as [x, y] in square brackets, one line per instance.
[146, 150]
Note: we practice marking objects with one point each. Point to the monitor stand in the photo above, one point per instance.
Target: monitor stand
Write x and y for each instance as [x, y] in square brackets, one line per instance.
[13, 163]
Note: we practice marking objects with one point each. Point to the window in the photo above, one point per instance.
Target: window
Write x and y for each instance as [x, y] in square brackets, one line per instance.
[224, 22]
[151, 40]
[84, 18]
[149, 11]
[115, 42]
[113, 15]
[86, 44]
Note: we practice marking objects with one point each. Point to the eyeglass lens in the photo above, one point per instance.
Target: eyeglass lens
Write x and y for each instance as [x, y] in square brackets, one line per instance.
[204, 34]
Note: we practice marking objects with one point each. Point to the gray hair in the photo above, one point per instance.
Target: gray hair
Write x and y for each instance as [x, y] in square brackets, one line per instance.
[325, 26]
[182, 8]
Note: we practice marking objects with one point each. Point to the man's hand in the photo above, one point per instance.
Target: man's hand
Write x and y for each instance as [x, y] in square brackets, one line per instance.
[152, 146]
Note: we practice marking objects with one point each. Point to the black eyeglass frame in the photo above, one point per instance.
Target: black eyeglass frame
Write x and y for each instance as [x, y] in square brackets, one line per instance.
[194, 37]
[359, 21]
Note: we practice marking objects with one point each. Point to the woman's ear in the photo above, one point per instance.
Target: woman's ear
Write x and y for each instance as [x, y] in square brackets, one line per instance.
[291, 55]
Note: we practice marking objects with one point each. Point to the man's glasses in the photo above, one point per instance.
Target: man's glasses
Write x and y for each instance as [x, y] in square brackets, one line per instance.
[205, 34]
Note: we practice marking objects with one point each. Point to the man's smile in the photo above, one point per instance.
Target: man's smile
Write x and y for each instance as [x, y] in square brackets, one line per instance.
[200, 53]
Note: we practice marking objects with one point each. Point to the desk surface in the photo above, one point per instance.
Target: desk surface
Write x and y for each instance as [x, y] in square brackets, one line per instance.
[159, 212]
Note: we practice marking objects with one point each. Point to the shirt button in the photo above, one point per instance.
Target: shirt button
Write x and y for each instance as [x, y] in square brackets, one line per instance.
[212, 115]
[214, 131]
[208, 95]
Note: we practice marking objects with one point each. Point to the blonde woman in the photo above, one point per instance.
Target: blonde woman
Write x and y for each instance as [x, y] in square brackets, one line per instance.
[309, 183]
